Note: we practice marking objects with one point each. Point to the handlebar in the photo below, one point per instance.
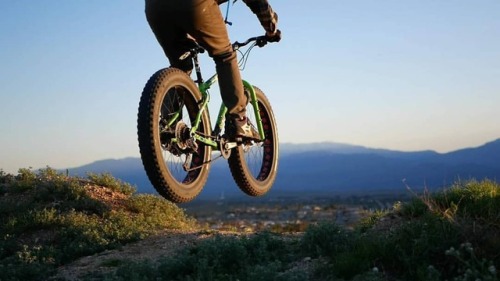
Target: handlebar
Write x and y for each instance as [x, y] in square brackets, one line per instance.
[260, 41]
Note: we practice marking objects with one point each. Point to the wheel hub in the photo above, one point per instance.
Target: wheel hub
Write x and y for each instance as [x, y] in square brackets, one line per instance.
[185, 142]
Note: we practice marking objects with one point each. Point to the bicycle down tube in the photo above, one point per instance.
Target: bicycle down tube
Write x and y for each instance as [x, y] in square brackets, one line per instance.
[204, 87]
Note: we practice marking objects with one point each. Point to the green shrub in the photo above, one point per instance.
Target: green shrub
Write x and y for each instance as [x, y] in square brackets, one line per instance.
[48, 219]
[259, 257]
[470, 267]
[326, 239]
[434, 223]
[469, 200]
[418, 241]
[154, 211]
[107, 180]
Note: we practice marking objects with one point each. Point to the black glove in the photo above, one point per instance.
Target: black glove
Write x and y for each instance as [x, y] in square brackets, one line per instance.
[276, 37]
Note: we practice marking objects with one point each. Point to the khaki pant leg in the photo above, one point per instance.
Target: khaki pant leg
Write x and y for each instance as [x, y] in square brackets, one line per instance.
[210, 31]
[172, 20]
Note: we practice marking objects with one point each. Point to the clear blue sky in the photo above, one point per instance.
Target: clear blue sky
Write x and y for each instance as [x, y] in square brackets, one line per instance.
[405, 75]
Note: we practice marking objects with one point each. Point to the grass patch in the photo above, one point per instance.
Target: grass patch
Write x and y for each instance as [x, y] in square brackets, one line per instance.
[264, 256]
[112, 263]
[449, 235]
[48, 219]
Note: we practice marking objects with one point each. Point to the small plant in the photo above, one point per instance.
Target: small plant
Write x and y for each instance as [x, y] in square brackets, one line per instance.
[469, 266]
[326, 239]
[367, 222]
[107, 180]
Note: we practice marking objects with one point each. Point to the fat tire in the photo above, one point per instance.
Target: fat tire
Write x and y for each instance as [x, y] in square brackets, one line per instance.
[168, 83]
[255, 177]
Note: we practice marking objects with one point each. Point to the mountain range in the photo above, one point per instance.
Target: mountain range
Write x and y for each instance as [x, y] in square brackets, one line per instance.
[335, 168]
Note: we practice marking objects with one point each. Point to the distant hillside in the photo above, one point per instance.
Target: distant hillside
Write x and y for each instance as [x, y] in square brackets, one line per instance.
[337, 169]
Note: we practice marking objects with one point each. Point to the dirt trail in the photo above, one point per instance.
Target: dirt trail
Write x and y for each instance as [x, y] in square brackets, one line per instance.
[151, 248]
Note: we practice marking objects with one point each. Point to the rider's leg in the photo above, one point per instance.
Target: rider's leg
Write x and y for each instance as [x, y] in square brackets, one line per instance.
[163, 18]
[172, 20]
[210, 31]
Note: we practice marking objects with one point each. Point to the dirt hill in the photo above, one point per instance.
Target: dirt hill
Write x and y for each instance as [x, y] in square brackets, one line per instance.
[55, 227]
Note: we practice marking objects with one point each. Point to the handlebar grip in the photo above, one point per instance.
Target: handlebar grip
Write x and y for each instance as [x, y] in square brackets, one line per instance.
[275, 37]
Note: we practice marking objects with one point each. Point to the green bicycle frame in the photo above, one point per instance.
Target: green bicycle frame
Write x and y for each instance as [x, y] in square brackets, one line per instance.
[204, 87]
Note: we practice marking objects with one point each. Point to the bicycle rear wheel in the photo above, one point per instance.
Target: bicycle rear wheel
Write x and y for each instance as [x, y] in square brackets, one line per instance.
[254, 166]
[172, 159]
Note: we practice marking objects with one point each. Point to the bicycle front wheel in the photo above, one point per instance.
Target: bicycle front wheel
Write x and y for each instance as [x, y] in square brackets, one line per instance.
[174, 162]
[254, 166]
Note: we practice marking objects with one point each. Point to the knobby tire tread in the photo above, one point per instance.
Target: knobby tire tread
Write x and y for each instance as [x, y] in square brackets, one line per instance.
[237, 163]
[155, 169]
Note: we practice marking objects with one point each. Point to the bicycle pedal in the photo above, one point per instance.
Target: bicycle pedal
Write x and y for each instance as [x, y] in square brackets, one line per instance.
[230, 145]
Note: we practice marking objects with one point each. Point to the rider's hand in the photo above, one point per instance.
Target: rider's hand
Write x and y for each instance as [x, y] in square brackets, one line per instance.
[273, 37]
